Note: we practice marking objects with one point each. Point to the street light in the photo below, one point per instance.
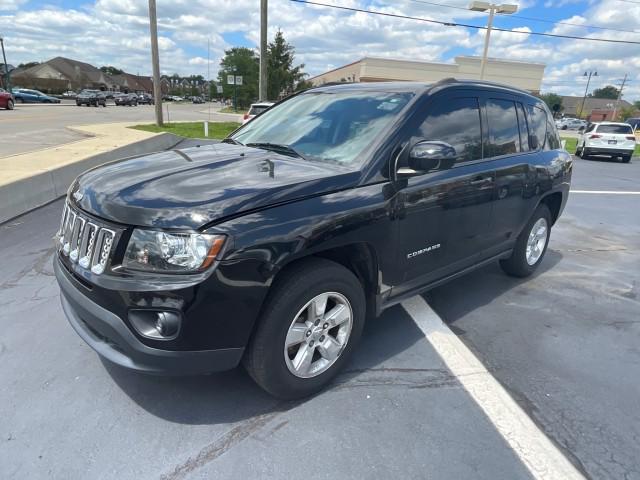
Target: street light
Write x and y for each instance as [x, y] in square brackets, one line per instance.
[506, 9]
[6, 67]
[586, 74]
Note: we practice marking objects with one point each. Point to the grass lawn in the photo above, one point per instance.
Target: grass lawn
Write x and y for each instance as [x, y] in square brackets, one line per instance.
[231, 110]
[217, 130]
[571, 145]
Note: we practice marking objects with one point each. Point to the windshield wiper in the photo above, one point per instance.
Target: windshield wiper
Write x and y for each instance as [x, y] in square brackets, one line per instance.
[278, 148]
[232, 141]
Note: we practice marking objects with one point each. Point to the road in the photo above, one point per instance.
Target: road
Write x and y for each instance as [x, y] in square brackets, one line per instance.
[564, 344]
[33, 127]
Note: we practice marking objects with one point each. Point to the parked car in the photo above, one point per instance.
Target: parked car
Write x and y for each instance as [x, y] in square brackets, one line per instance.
[25, 95]
[571, 124]
[197, 99]
[176, 98]
[6, 100]
[91, 97]
[255, 109]
[607, 138]
[273, 247]
[129, 99]
[69, 94]
[145, 99]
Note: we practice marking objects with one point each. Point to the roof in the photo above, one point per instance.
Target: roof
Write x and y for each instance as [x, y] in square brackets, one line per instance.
[417, 87]
[610, 123]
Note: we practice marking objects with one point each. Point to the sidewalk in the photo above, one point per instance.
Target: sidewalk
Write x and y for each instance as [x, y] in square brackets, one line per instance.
[29, 180]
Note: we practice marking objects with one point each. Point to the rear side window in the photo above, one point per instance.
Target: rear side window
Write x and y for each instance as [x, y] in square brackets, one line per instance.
[257, 110]
[623, 129]
[504, 136]
[524, 129]
[456, 122]
[553, 140]
[537, 119]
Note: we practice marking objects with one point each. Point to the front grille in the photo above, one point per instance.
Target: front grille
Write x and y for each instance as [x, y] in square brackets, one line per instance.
[84, 241]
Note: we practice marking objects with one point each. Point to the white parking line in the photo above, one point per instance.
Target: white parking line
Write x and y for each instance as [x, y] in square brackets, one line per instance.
[604, 192]
[541, 457]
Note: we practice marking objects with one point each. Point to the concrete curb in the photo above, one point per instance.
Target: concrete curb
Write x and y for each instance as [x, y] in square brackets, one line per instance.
[26, 194]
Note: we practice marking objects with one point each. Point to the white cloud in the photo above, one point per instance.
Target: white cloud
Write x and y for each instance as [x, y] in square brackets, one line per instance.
[116, 32]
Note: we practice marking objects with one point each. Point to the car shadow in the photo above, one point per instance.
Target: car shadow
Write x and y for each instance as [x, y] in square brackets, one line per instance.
[232, 396]
[465, 294]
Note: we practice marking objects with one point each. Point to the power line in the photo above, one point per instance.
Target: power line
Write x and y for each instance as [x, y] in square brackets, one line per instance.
[465, 25]
[533, 19]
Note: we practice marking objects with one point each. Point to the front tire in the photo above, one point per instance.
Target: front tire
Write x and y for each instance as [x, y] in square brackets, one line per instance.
[531, 245]
[10, 104]
[311, 323]
[626, 158]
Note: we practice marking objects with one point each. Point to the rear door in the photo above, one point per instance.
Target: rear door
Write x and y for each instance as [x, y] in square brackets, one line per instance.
[444, 215]
[510, 154]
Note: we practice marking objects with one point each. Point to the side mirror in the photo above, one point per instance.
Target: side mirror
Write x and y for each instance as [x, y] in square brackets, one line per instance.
[426, 156]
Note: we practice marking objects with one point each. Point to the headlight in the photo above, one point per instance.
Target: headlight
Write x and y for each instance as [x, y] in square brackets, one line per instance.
[172, 252]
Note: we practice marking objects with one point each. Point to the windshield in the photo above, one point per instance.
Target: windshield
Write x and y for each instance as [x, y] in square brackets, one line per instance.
[615, 129]
[331, 127]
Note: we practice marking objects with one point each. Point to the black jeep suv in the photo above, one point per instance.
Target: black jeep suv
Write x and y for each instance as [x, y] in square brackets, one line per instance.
[91, 97]
[272, 247]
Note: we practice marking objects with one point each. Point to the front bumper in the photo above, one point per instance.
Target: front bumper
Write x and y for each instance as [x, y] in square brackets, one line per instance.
[107, 334]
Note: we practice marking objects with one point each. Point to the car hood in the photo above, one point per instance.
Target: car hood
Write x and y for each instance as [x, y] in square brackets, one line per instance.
[194, 187]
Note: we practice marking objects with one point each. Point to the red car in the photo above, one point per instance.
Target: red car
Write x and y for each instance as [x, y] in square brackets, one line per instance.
[6, 99]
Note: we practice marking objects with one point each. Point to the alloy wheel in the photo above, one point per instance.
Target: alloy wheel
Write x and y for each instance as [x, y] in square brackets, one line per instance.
[537, 241]
[318, 334]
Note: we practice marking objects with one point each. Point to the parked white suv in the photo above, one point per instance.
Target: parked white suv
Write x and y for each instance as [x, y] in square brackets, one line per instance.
[255, 109]
[607, 138]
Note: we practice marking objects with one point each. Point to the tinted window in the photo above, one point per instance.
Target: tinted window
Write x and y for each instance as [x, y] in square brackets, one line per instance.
[553, 141]
[257, 110]
[504, 136]
[524, 129]
[456, 122]
[537, 120]
[614, 129]
[590, 128]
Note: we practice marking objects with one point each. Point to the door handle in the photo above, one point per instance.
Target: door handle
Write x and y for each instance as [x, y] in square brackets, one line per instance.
[481, 181]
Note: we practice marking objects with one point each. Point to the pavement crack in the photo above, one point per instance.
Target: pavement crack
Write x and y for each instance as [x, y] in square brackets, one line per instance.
[39, 266]
[226, 442]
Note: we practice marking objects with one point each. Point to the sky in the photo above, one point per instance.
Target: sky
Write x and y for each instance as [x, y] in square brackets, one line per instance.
[116, 32]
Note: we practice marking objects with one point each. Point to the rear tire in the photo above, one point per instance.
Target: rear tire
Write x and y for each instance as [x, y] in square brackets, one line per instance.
[273, 366]
[531, 245]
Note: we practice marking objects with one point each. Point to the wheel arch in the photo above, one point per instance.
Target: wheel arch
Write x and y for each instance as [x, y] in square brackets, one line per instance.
[553, 201]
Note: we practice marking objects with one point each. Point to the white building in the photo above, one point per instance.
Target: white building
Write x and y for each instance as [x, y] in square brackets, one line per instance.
[524, 75]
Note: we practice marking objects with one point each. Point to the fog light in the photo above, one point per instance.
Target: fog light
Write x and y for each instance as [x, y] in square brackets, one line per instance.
[167, 324]
[156, 325]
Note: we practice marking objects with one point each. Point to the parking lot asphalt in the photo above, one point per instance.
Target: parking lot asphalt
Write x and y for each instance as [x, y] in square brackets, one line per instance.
[32, 127]
[563, 343]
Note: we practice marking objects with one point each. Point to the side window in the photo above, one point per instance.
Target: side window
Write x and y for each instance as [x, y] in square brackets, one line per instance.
[590, 128]
[553, 140]
[524, 128]
[537, 120]
[456, 122]
[504, 136]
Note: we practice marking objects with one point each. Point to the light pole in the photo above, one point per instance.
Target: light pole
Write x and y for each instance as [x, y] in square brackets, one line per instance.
[588, 75]
[155, 60]
[492, 8]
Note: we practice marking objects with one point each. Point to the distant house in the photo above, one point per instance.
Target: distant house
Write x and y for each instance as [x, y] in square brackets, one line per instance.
[129, 83]
[60, 74]
[595, 109]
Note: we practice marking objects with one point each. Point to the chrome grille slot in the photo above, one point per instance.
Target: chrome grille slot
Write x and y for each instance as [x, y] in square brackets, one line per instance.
[86, 243]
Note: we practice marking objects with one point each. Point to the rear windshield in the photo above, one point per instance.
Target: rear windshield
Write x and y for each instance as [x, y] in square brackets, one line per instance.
[614, 129]
[256, 110]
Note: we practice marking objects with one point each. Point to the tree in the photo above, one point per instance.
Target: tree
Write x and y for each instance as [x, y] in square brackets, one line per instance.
[283, 76]
[625, 112]
[109, 70]
[303, 85]
[553, 101]
[246, 64]
[637, 104]
[606, 92]
[28, 65]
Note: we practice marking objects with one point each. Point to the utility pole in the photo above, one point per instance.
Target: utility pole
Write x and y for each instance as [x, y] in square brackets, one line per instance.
[6, 67]
[155, 60]
[262, 89]
[615, 109]
[595, 74]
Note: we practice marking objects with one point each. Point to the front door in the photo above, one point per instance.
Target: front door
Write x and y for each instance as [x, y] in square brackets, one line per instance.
[444, 216]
